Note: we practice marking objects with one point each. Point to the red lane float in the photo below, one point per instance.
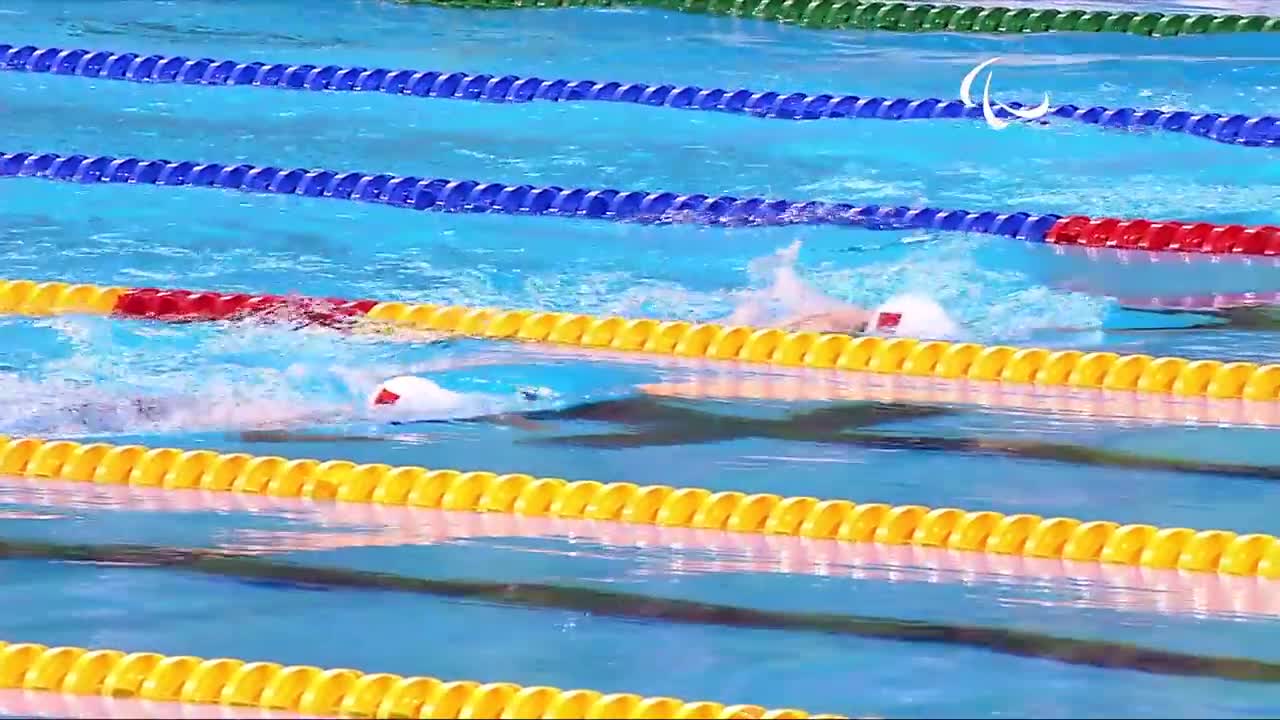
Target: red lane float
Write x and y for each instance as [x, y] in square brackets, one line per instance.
[180, 305]
[1171, 236]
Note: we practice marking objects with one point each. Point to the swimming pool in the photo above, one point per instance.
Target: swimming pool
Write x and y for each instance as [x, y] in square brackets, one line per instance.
[1032, 458]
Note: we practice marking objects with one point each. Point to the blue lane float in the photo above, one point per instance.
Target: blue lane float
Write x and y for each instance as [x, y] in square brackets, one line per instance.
[1262, 131]
[471, 196]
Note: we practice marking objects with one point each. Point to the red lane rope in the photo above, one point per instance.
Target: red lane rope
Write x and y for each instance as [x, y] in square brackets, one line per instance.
[177, 305]
[1171, 236]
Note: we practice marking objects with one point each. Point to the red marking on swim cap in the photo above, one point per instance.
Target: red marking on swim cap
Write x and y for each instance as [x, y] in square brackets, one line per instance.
[888, 321]
[385, 397]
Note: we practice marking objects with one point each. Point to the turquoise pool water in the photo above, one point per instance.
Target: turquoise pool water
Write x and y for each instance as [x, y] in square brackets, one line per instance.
[238, 377]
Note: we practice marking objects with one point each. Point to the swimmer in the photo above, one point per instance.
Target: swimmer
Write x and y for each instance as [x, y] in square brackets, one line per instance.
[791, 304]
[1237, 317]
[410, 399]
[651, 421]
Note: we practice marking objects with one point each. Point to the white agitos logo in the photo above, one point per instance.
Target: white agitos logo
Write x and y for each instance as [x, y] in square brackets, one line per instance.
[988, 112]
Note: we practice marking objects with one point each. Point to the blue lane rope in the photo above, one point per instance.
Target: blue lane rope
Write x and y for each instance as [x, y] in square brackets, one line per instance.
[1263, 131]
[470, 196]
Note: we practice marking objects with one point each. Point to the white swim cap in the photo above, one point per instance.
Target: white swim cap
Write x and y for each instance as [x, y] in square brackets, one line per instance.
[913, 316]
[413, 397]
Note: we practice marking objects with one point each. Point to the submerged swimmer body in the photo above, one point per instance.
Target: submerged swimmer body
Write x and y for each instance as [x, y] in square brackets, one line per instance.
[1240, 317]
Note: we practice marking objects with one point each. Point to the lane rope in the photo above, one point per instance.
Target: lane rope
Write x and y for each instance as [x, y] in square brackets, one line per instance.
[886, 356]
[470, 196]
[317, 692]
[924, 17]
[343, 481]
[1140, 234]
[1123, 587]
[1235, 129]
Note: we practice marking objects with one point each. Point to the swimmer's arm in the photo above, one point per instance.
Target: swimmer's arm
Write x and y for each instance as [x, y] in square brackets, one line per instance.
[516, 421]
[746, 314]
[851, 320]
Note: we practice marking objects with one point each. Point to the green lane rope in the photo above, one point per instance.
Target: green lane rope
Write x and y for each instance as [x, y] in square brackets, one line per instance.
[923, 17]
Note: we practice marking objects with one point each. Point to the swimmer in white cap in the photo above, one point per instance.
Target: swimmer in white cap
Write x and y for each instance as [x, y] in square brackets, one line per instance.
[654, 421]
[789, 303]
[414, 399]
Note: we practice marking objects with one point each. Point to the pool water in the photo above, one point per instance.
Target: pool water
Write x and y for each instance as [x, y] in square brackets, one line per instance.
[231, 378]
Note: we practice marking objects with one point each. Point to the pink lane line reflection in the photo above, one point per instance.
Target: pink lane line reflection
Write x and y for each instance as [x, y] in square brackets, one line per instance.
[37, 703]
[1081, 584]
[1217, 301]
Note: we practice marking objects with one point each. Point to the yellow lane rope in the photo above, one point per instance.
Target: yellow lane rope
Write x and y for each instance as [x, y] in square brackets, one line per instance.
[316, 692]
